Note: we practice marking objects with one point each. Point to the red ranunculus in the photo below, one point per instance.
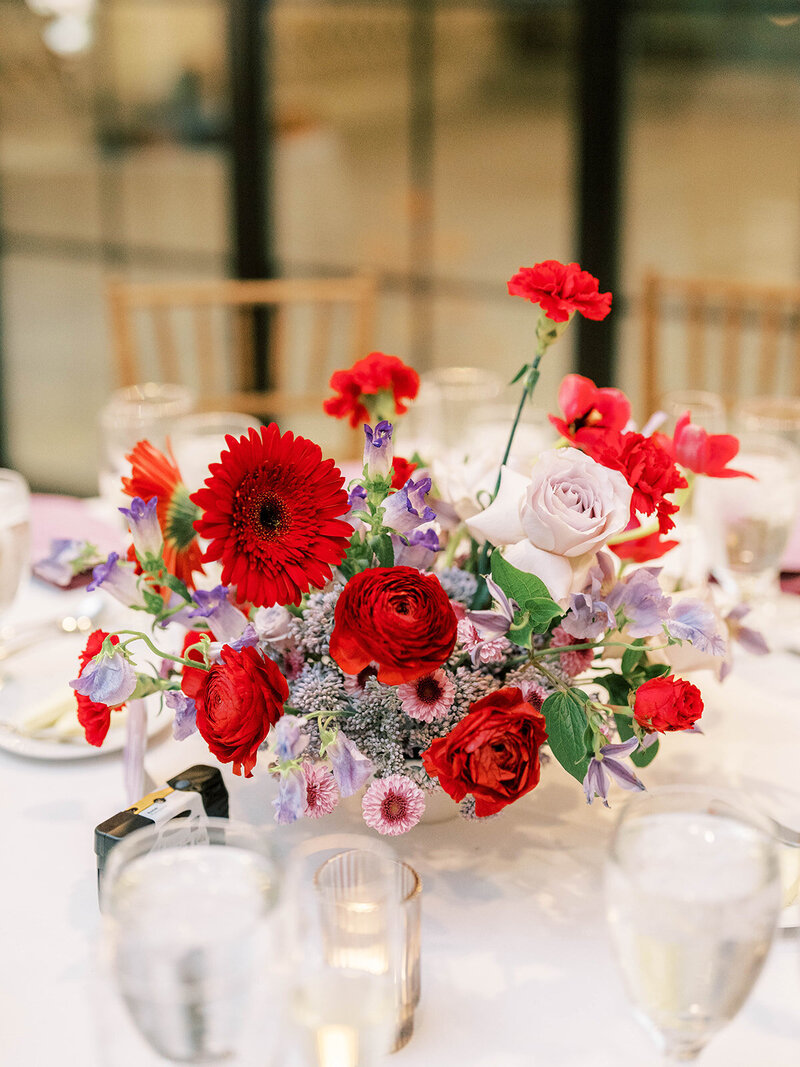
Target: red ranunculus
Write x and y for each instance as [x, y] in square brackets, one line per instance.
[705, 453]
[589, 412]
[493, 753]
[240, 699]
[561, 289]
[649, 470]
[401, 471]
[395, 617]
[665, 704]
[94, 717]
[360, 389]
[643, 549]
[192, 678]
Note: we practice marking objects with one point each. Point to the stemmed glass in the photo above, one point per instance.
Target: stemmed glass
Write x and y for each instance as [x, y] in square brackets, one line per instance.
[189, 963]
[693, 894]
[14, 540]
[345, 931]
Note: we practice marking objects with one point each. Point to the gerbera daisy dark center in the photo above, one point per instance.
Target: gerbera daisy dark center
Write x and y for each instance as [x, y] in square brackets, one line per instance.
[272, 515]
[393, 807]
[429, 691]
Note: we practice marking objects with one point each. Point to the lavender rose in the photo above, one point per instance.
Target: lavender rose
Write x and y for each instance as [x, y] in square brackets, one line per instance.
[553, 523]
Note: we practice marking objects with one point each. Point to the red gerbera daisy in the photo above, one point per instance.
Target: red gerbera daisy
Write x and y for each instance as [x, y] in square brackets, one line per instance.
[271, 510]
[155, 475]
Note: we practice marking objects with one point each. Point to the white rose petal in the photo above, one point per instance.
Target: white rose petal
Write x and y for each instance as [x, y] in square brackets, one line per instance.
[500, 522]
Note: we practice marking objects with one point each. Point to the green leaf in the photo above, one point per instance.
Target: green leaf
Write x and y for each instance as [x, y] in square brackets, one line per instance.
[642, 757]
[177, 586]
[632, 657]
[537, 609]
[153, 602]
[523, 370]
[656, 670]
[384, 550]
[566, 730]
[617, 688]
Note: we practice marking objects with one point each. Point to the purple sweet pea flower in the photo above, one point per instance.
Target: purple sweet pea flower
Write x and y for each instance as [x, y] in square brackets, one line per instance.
[288, 738]
[67, 558]
[185, 710]
[643, 602]
[417, 550]
[493, 624]
[291, 798]
[351, 769]
[378, 450]
[607, 767]
[751, 640]
[406, 509]
[356, 501]
[118, 579]
[694, 621]
[587, 618]
[108, 679]
[145, 528]
[224, 620]
[247, 639]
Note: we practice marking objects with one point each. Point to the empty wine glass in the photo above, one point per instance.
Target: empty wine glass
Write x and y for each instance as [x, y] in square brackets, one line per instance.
[346, 934]
[693, 893]
[189, 951]
[705, 408]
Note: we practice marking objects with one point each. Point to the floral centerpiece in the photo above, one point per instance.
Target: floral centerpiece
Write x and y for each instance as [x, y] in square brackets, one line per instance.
[383, 638]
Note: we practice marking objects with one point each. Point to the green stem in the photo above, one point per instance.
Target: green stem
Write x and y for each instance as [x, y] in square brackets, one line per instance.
[548, 674]
[452, 545]
[164, 655]
[556, 650]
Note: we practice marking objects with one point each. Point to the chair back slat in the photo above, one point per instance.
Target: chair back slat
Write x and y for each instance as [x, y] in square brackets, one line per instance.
[166, 347]
[207, 371]
[768, 353]
[731, 343]
[243, 327]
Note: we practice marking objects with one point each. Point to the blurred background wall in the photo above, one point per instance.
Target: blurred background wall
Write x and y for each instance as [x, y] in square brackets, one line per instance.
[438, 145]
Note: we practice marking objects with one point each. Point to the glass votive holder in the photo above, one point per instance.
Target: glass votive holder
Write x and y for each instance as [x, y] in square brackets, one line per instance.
[147, 411]
[345, 876]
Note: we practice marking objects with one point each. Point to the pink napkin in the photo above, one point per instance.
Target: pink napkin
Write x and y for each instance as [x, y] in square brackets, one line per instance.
[66, 516]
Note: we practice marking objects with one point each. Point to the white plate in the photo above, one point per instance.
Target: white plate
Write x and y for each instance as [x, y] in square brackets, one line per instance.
[41, 674]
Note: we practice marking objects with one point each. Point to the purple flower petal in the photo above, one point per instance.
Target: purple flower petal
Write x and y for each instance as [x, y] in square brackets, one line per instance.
[595, 783]
[291, 798]
[288, 738]
[378, 451]
[185, 710]
[224, 620]
[351, 769]
[107, 679]
[694, 621]
[406, 509]
[620, 749]
[622, 774]
[144, 526]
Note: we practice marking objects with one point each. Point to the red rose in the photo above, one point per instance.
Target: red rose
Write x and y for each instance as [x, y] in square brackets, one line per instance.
[643, 549]
[241, 698]
[589, 412]
[401, 471]
[561, 289]
[193, 678]
[665, 704]
[395, 617]
[359, 388]
[95, 718]
[649, 471]
[493, 753]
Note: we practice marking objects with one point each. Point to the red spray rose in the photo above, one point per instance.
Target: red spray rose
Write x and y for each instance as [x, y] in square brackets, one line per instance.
[705, 453]
[360, 387]
[561, 289]
[493, 753]
[665, 704]
[649, 470]
[395, 617]
[240, 699]
[94, 717]
[589, 412]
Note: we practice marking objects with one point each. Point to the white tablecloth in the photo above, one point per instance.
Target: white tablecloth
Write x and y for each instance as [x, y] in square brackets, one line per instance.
[517, 967]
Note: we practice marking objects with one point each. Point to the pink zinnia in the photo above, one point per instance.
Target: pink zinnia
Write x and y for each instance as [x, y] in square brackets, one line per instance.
[572, 663]
[427, 698]
[393, 805]
[534, 693]
[322, 794]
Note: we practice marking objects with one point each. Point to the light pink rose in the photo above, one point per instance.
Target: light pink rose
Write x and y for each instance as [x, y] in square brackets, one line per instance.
[553, 523]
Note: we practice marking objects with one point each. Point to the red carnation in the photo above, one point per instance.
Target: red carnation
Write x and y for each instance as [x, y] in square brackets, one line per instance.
[95, 718]
[649, 471]
[271, 510]
[373, 389]
[561, 289]
[705, 453]
[401, 471]
[396, 617]
[665, 704]
[493, 753]
[589, 412]
[240, 699]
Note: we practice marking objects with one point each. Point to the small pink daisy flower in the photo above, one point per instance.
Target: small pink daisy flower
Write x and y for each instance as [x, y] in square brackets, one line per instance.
[322, 793]
[427, 698]
[572, 663]
[534, 693]
[355, 683]
[393, 805]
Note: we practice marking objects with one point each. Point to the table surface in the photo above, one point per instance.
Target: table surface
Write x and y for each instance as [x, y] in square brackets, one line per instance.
[517, 965]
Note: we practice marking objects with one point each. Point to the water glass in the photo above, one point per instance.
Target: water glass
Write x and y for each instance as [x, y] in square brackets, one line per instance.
[693, 893]
[450, 400]
[706, 409]
[189, 951]
[199, 439]
[15, 508]
[748, 521]
[139, 412]
[346, 932]
[776, 415]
